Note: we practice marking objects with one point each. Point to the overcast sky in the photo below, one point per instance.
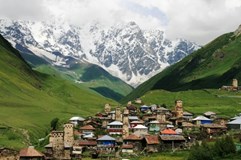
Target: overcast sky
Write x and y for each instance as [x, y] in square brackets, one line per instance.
[196, 20]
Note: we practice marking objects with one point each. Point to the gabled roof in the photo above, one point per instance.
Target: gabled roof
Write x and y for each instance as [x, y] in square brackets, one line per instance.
[30, 152]
[133, 118]
[168, 131]
[201, 118]
[106, 138]
[115, 123]
[213, 125]
[152, 139]
[236, 121]
[87, 143]
[187, 114]
[209, 113]
[133, 137]
[87, 127]
[77, 118]
[154, 122]
[140, 122]
[172, 137]
[144, 106]
[139, 126]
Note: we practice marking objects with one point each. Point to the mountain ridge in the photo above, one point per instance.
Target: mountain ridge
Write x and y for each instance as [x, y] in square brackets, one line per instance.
[126, 51]
[212, 66]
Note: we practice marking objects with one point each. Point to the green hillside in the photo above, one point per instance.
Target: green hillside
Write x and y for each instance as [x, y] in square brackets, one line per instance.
[198, 101]
[91, 76]
[85, 74]
[212, 66]
[30, 100]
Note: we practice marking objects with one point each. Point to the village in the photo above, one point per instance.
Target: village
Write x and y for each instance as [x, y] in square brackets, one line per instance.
[136, 129]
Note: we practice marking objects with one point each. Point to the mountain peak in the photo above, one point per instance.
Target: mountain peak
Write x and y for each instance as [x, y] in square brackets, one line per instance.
[124, 50]
[238, 31]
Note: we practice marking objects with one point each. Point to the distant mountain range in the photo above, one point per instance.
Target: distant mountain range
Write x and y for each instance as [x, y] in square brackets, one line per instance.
[212, 66]
[126, 51]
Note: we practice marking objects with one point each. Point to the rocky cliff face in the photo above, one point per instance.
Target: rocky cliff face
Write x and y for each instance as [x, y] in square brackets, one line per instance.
[126, 50]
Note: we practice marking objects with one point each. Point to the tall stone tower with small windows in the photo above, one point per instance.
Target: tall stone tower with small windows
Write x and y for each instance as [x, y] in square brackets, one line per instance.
[125, 123]
[118, 114]
[69, 134]
[57, 141]
[178, 108]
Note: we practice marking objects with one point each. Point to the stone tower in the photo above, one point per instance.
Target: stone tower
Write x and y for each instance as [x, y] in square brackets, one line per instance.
[69, 134]
[178, 108]
[235, 84]
[161, 117]
[107, 108]
[118, 115]
[125, 123]
[57, 141]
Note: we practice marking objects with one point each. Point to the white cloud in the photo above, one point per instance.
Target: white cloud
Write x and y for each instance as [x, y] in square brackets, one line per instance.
[195, 20]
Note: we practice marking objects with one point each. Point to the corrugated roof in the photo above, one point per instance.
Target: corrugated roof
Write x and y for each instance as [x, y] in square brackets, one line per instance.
[155, 122]
[213, 125]
[133, 137]
[133, 117]
[168, 131]
[172, 137]
[152, 139]
[77, 118]
[87, 127]
[30, 152]
[236, 121]
[209, 113]
[139, 126]
[115, 123]
[140, 122]
[200, 118]
[106, 138]
[87, 143]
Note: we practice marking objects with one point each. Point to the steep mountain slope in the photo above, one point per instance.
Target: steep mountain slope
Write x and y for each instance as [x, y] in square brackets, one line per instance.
[30, 100]
[100, 80]
[126, 51]
[91, 76]
[212, 66]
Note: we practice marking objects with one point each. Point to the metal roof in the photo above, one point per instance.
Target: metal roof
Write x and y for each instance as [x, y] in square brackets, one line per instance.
[77, 118]
[200, 118]
[115, 123]
[106, 138]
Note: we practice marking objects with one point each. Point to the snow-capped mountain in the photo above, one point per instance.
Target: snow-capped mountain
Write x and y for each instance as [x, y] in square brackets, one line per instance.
[125, 51]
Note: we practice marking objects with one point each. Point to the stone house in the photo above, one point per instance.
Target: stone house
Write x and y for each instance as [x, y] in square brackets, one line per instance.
[136, 141]
[152, 143]
[214, 129]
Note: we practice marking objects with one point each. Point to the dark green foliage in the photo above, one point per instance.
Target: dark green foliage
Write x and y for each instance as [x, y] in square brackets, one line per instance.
[201, 152]
[224, 146]
[54, 123]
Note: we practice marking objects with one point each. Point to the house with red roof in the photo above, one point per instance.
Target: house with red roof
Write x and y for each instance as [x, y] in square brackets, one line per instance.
[152, 143]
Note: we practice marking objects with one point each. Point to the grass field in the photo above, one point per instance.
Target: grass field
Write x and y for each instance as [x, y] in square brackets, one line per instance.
[198, 101]
[30, 100]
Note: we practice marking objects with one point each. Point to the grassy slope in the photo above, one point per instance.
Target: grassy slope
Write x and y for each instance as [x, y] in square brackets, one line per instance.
[212, 66]
[198, 101]
[93, 77]
[29, 100]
